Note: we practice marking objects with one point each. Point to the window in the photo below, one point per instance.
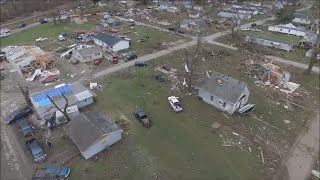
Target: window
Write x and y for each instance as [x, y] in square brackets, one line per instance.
[97, 54]
[211, 98]
[85, 100]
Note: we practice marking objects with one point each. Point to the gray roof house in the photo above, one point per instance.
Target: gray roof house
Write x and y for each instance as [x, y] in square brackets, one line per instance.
[112, 21]
[223, 92]
[76, 94]
[111, 43]
[266, 41]
[196, 25]
[234, 15]
[88, 54]
[301, 18]
[92, 132]
[289, 29]
[308, 40]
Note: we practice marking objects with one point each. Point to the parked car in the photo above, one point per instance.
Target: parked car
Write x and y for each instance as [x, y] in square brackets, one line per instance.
[22, 25]
[51, 171]
[142, 118]
[171, 29]
[43, 21]
[140, 64]
[159, 77]
[130, 56]
[25, 127]
[21, 112]
[36, 150]
[181, 31]
[131, 24]
[166, 67]
[175, 103]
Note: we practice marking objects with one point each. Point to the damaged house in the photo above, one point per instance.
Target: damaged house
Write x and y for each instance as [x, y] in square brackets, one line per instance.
[223, 92]
[289, 29]
[234, 15]
[75, 93]
[197, 25]
[92, 132]
[27, 59]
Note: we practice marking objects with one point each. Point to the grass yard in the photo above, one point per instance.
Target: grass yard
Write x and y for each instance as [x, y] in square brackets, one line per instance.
[48, 30]
[181, 145]
[154, 41]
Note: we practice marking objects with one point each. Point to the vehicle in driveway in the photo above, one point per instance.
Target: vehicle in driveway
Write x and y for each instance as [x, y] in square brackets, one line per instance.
[171, 29]
[36, 150]
[130, 56]
[51, 171]
[43, 21]
[25, 127]
[140, 64]
[175, 103]
[142, 118]
[22, 25]
[17, 114]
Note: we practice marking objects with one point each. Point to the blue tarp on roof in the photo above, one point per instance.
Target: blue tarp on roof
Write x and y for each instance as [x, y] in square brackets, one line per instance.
[42, 98]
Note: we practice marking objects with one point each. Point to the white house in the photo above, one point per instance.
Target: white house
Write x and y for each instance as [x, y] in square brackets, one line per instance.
[111, 43]
[223, 92]
[289, 29]
[88, 54]
[233, 15]
[247, 11]
[92, 132]
[300, 18]
[265, 41]
[75, 93]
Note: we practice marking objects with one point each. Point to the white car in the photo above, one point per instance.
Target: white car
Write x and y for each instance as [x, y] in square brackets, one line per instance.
[175, 103]
[41, 39]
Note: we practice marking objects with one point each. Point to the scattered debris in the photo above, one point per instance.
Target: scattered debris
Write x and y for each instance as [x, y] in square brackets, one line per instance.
[93, 85]
[216, 125]
[286, 121]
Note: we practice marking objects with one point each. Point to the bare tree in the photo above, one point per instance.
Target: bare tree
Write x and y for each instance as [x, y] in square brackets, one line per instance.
[236, 27]
[64, 111]
[25, 92]
[192, 61]
[315, 17]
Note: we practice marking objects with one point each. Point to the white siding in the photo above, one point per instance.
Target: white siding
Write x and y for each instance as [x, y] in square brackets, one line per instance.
[121, 45]
[103, 143]
[84, 102]
[284, 30]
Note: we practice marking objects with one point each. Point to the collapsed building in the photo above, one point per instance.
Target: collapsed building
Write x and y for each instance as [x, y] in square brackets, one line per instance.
[27, 60]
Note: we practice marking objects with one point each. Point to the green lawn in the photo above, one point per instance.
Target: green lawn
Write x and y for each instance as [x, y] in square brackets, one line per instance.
[181, 145]
[152, 43]
[48, 30]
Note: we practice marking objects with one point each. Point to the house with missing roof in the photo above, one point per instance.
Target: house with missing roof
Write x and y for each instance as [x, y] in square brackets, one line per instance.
[266, 41]
[111, 43]
[92, 132]
[289, 29]
[223, 92]
[88, 54]
[75, 93]
[196, 25]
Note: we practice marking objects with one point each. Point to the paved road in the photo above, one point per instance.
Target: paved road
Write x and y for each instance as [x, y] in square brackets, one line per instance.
[293, 63]
[305, 153]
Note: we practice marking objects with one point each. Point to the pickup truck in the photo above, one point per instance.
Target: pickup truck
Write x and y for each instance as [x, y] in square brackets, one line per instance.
[25, 127]
[51, 172]
[36, 150]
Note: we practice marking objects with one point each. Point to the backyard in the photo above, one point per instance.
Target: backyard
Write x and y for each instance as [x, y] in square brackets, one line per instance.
[183, 145]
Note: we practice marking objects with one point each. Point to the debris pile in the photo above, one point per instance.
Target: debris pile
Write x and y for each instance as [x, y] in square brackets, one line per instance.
[271, 75]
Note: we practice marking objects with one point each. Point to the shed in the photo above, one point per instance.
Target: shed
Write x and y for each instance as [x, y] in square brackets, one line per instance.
[87, 54]
[223, 92]
[92, 132]
[109, 42]
[301, 18]
[112, 22]
[266, 41]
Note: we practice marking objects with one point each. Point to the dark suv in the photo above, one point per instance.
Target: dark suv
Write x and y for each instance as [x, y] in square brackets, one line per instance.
[143, 118]
[36, 150]
[21, 112]
[25, 127]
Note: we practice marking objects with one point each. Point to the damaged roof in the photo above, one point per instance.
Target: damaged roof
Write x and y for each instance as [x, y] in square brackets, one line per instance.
[223, 86]
[86, 128]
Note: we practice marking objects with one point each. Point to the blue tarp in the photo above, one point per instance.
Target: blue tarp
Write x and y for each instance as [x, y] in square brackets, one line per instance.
[42, 98]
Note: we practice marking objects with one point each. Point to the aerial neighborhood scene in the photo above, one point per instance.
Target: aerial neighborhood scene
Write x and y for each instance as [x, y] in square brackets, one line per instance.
[160, 89]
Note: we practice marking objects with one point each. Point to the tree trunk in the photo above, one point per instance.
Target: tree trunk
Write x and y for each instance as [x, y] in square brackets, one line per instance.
[311, 63]
[64, 112]
[25, 92]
